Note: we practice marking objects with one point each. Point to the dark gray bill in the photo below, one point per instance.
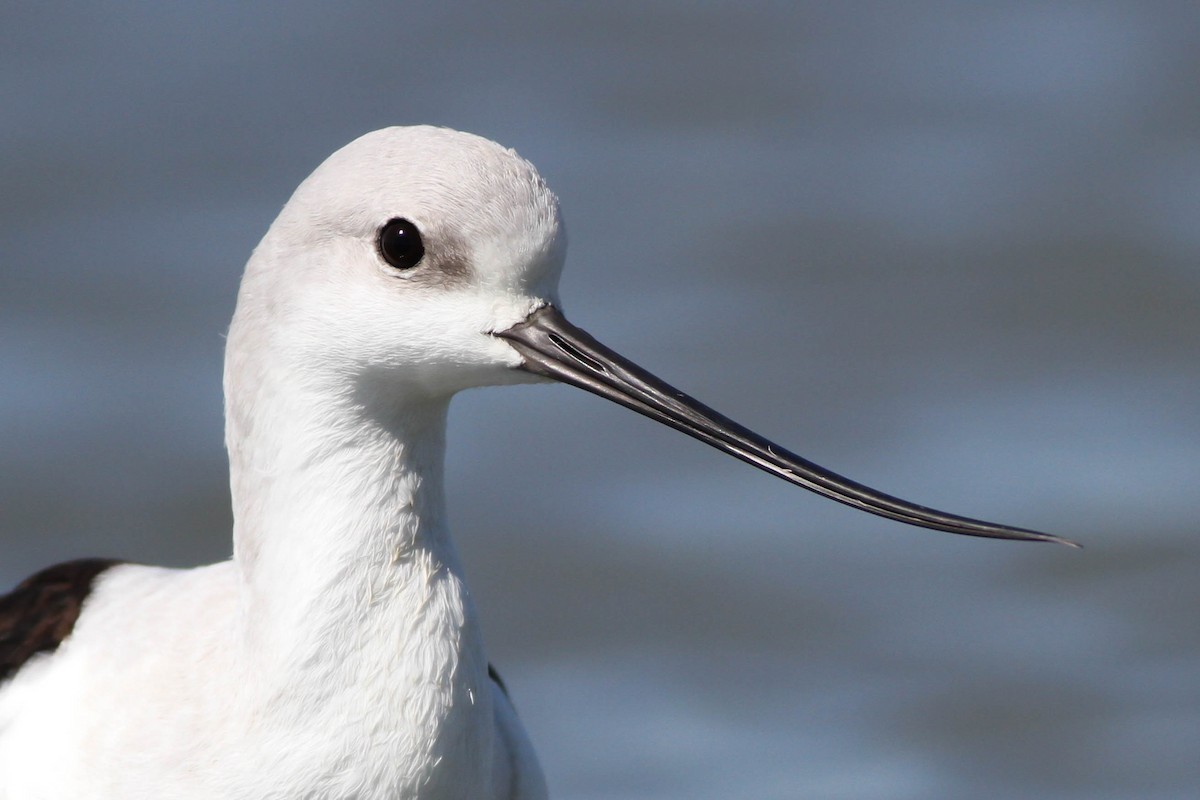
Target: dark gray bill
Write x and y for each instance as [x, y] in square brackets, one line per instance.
[556, 349]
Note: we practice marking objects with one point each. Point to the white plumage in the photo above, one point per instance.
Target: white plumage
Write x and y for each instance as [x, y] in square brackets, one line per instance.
[338, 654]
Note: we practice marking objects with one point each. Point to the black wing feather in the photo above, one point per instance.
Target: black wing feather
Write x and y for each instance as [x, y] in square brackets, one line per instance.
[41, 612]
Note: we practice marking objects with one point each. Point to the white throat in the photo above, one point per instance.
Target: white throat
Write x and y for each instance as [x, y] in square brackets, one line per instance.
[352, 594]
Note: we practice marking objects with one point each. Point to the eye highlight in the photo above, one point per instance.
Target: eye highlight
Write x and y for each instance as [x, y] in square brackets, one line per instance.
[400, 244]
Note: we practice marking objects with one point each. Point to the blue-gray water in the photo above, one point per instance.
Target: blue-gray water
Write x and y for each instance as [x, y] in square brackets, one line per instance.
[950, 250]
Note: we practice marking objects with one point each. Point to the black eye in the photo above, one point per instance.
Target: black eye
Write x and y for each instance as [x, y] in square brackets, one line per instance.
[400, 244]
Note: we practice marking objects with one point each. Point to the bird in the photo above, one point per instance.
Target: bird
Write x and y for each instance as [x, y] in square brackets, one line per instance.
[338, 653]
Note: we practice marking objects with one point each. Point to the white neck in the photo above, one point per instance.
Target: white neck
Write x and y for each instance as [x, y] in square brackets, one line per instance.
[353, 597]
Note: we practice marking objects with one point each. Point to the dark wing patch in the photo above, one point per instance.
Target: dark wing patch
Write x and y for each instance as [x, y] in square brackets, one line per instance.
[496, 679]
[37, 615]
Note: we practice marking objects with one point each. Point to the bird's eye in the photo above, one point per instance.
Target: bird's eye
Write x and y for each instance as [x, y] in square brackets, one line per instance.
[400, 244]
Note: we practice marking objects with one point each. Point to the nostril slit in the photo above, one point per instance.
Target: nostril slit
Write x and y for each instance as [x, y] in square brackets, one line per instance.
[576, 353]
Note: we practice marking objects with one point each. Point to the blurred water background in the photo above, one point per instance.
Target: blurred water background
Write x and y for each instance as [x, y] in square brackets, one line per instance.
[951, 250]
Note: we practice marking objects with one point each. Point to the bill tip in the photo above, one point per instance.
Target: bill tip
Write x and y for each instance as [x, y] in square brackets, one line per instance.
[1046, 537]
